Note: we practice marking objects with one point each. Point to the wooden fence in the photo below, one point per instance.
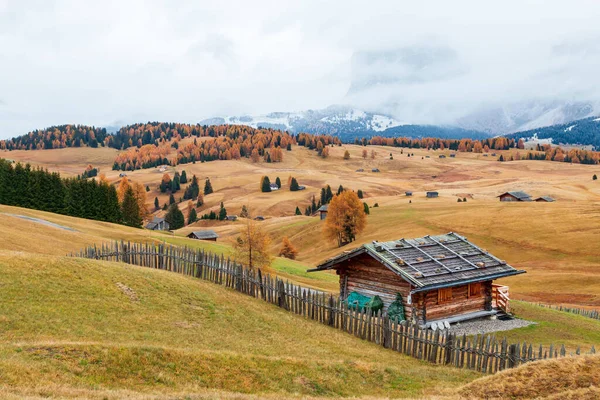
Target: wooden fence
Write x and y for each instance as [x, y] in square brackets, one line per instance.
[594, 314]
[482, 353]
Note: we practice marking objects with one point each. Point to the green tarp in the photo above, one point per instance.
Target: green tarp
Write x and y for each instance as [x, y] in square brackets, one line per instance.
[357, 301]
[396, 309]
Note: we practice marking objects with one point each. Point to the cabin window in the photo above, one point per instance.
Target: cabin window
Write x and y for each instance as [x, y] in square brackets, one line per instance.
[444, 295]
[474, 289]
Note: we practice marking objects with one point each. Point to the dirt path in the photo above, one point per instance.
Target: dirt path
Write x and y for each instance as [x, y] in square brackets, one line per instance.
[41, 221]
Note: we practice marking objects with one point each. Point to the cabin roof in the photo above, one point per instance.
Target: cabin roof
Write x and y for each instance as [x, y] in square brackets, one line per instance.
[206, 234]
[323, 208]
[545, 198]
[431, 262]
[518, 194]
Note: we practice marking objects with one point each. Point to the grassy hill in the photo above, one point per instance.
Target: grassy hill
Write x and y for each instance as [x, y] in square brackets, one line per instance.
[574, 378]
[81, 328]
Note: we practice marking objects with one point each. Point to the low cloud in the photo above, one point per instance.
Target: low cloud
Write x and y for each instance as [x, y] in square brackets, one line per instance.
[66, 61]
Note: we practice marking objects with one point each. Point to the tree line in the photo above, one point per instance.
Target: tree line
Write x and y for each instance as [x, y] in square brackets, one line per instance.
[57, 137]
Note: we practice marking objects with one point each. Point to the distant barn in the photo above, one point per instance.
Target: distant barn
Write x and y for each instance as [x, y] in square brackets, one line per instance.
[204, 235]
[375, 170]
[515, 196]
[231, 218]
[323, 211]
[158, 224]
[440, 278]
[546, 199]
[432, 195]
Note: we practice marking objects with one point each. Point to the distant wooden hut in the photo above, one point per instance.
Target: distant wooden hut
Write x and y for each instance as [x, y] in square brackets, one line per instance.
[546, 199]
[408, 193]
[514, 196]
[204, 235]
[231, 218]
[432, 195]
[259, 218]
[453, 155]
[440, 278]
[323, 211]
[158, 224]
[442, 156]
[375, 170]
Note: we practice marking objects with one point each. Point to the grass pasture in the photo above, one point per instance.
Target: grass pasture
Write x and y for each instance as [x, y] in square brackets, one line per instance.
[70, 321]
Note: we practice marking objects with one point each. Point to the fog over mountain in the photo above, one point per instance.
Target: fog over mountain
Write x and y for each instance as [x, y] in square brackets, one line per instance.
[492, 67]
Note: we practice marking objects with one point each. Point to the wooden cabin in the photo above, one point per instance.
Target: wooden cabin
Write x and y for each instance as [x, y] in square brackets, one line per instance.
[158, 224]
[544, 199]
[204, 235]
[323, 211]
[408, 193]
[515, 196]
[432, 195]
[440, 278]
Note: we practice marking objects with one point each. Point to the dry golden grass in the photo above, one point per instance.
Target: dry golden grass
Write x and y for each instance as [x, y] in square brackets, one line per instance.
[555, 242]
[550, 379]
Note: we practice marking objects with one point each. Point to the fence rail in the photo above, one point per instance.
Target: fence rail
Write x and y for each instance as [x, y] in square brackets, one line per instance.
[482, 353]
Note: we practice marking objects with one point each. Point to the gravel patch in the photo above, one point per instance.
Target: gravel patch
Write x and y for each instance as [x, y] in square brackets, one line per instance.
[487, 326]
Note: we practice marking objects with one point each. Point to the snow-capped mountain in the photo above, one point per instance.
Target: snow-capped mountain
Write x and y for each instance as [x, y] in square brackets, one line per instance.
[527, 116]
[334, 120]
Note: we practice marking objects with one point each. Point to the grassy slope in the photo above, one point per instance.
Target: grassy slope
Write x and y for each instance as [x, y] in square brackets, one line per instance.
[67, 329]
[574, 378]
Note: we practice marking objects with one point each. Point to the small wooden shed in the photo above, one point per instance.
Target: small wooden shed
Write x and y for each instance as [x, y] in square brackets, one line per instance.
[432, 195]
[544, 199]
[441, 278]
[514, 196]
[323, 211]
[209, 235]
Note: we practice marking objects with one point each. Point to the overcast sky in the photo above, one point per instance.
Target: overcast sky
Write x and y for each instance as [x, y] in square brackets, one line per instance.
[110, 62]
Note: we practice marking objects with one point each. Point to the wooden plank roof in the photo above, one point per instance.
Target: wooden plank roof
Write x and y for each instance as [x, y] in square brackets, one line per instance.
[206, 234]
[431, 262]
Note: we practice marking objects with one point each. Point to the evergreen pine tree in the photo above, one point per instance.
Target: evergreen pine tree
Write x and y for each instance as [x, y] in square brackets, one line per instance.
[298, 211]
[222, 213]
[183, 178]
[171, 199]
[175, 217]
[329, 194]
[147, 188]
[594, 177]
[294, 185]
[130, 209]
[278, 182]
[265, 184]
[156, 204]
[192, 216]
[359, 193]
[207, 187]
[340, 189]
[366, 208]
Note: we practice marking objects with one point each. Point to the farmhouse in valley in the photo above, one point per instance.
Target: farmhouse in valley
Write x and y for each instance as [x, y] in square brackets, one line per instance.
[440, 278]
[515, 196]
[158, 224]
[209, 235]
